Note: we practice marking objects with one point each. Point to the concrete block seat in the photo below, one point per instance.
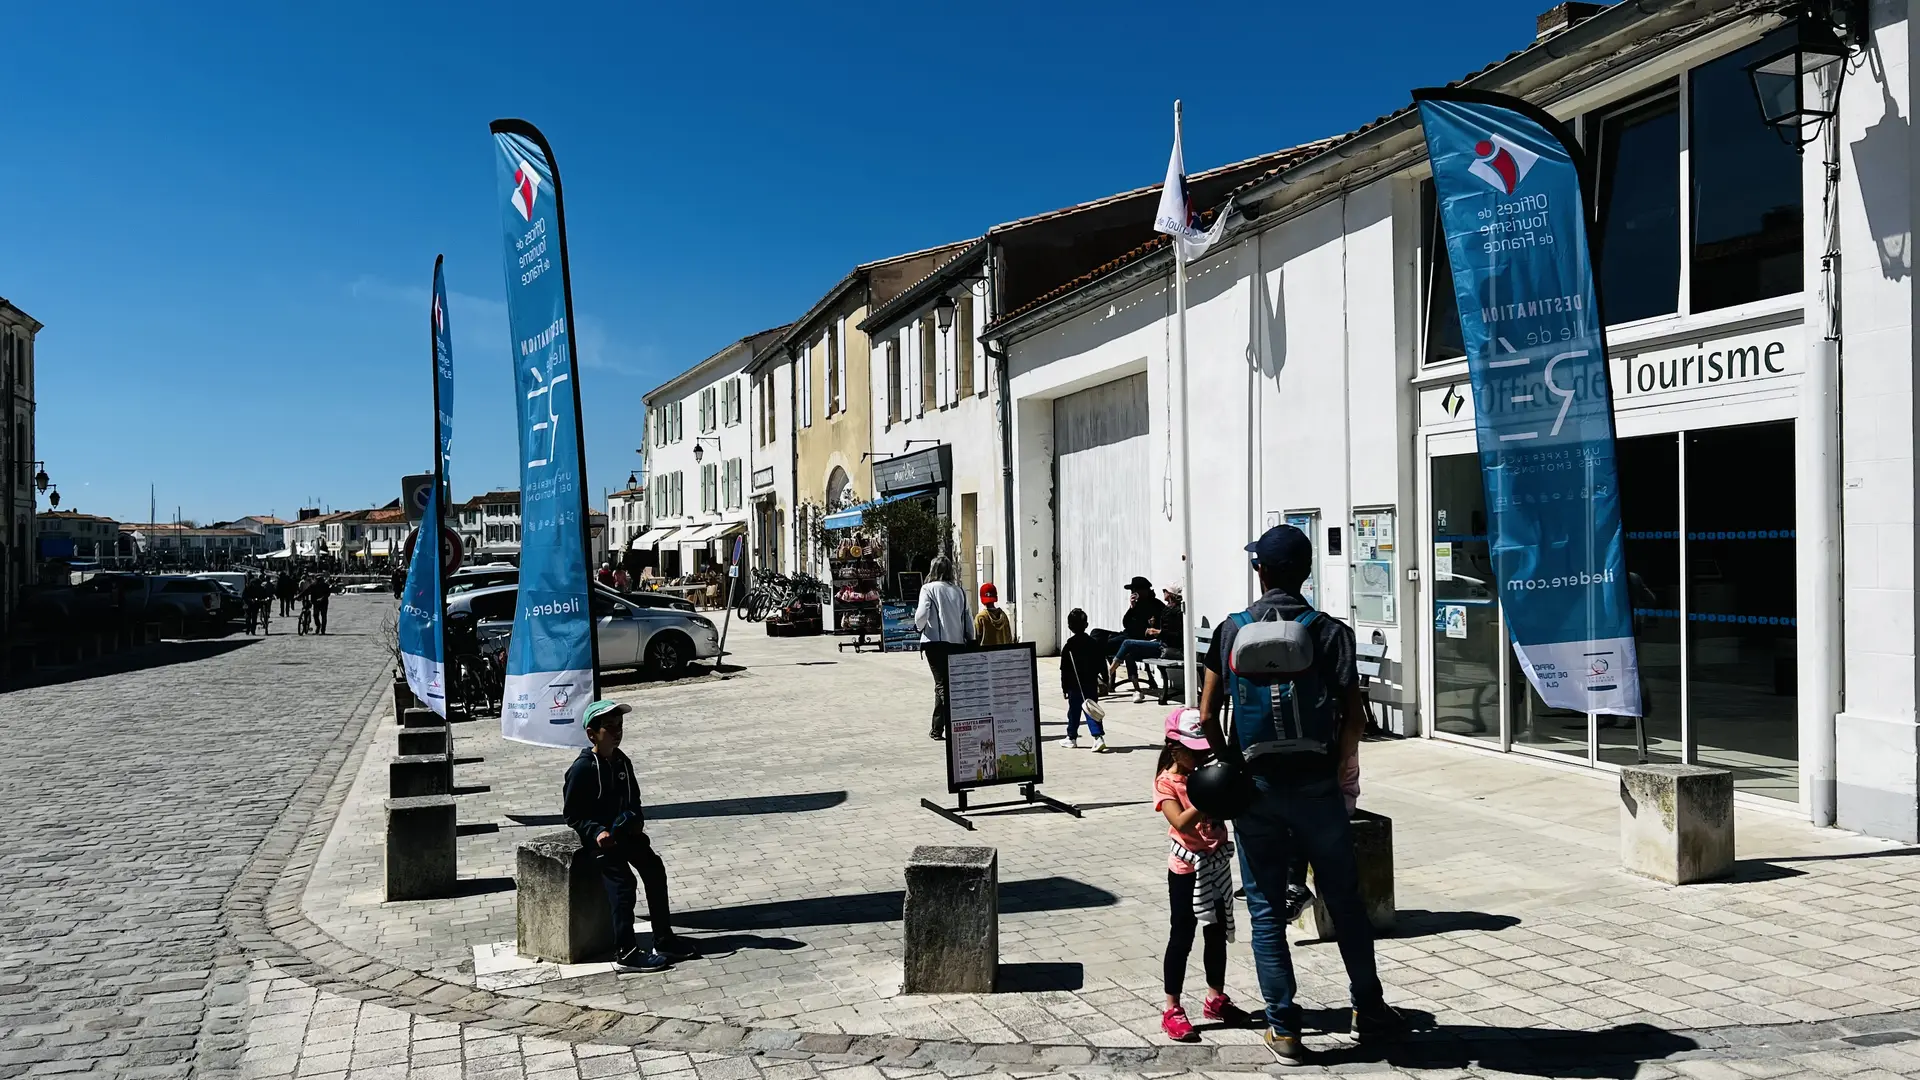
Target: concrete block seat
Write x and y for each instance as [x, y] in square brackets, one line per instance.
[561, 910]
[952, 920]
[422, 860]
[1373, 851]
[1676, 822]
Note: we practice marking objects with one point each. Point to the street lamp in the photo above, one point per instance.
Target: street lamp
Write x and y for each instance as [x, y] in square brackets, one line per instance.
[943, 313]
[54, 497]
[633, 480]
[40, 480]
[700, 450]
[1797, 87]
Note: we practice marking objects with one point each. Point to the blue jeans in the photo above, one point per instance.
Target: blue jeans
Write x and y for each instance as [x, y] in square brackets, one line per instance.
[1075, 703]
[1313, 817]
[1133, 650]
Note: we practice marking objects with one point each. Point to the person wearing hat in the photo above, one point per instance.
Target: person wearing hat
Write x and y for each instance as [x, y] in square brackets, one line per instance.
[1298, 805]
[602, 804]
[1139, 635]
[991, 625]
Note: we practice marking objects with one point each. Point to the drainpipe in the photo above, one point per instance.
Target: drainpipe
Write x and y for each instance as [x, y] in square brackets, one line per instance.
[1821, 655]
[1003, 380]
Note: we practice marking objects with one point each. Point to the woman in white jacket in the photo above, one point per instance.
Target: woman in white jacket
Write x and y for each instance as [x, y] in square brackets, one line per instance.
[944, 626]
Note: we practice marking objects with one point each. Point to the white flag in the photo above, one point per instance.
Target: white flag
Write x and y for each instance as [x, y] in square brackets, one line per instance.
[1177, 217]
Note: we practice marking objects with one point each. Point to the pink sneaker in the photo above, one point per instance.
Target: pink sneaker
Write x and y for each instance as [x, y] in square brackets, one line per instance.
[1221, 1009]
[1178, 1028]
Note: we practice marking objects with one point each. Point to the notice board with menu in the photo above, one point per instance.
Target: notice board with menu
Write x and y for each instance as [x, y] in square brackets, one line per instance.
[993, 698]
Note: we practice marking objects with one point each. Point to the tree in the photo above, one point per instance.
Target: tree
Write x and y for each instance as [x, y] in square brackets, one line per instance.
[913, 532]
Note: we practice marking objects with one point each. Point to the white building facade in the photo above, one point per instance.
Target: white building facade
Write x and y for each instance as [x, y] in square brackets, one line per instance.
[1767, 478]
[771, 460]
[936, 412]
[698, 447]
[627, 520]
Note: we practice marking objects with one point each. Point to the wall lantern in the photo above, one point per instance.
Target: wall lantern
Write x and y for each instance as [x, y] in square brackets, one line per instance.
[40, 481]
[1798, 87]
[700, 449]
[633, 480]
[55, 498]
[943, 313]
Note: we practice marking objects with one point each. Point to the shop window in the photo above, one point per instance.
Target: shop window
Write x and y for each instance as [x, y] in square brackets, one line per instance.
[1442, 330]
[1638, 234]
[1746, 189]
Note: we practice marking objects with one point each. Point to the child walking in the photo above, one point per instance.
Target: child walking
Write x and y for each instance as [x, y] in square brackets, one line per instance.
[991, 626]
[1199, 881]
[1081, 662]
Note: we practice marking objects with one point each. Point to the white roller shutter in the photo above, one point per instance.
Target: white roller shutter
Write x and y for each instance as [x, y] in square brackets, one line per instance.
[1102, 487]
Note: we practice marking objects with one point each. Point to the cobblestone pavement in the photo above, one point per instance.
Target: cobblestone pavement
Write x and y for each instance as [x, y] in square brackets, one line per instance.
[786, 798]
[133, 801]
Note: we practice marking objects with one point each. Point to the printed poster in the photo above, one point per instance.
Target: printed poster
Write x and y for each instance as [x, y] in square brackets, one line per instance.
[993, 699]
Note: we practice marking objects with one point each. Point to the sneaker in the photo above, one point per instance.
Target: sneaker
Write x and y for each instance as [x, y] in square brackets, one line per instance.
[1071, 744]
[1139, 697]
[1298, 900]
[638, 959]
[1286, 1049]
[1221, 1009]
[1178, 1028]
[1100, 745]
[1380, 1021]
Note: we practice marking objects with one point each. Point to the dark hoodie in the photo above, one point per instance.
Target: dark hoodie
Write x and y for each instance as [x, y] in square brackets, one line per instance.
[597, 792]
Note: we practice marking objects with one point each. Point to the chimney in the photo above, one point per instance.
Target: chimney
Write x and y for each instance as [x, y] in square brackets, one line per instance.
[1562, 17]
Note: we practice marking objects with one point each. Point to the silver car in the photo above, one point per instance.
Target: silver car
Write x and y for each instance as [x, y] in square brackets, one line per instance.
[661, 641]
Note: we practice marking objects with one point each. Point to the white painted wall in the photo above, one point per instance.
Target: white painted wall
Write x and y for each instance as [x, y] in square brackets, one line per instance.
[776, 455]
[1877, 743]
[735, 439]
[969, 424]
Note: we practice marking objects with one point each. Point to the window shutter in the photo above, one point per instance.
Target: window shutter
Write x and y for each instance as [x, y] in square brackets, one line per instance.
[840, 361]
[963, 347]
[929, 377]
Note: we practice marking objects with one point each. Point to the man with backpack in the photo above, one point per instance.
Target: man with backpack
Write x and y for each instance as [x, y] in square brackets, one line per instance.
[1297, 716]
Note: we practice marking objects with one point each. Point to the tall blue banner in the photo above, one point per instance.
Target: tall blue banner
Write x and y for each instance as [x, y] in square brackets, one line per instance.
[423, 648]
[1508, 182]
[550, 660]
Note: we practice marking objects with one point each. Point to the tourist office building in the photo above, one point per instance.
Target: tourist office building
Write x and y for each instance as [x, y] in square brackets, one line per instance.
[1763, 399]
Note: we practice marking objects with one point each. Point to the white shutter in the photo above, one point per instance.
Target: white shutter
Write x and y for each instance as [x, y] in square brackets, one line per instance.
[840, 363]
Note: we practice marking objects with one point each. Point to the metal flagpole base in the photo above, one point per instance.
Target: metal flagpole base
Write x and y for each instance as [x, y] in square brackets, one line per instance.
[1030, 795]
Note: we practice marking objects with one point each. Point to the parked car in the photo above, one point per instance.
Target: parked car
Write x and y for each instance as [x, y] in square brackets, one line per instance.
[468, 580]
[659, 640]
[190, 603]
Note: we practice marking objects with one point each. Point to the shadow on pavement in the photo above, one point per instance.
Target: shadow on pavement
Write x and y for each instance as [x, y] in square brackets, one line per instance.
[1414, 922]
[138, 658]
[481, 886]
[1617, 1051]
[1035, 977]
[721, 946]
[743, 807]
[1016, 897]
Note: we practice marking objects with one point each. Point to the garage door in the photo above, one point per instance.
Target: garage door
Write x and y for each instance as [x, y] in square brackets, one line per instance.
[1102, 492]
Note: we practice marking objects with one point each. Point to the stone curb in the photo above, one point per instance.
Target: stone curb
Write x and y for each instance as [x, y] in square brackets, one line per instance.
[264, 916]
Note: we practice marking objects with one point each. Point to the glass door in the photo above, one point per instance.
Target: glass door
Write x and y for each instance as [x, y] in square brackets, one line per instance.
[1465, 617]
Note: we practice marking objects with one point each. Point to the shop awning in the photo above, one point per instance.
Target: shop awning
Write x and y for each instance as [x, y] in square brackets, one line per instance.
[651, 538]
[696, 535]
[379, 547]
[851, 517]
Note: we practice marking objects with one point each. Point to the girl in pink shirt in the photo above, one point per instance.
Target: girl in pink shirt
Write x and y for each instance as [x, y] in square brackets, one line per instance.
[1199, 880]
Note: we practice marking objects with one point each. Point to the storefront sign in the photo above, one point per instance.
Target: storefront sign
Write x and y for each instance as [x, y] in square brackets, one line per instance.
[1507, 177]
[912, 472]
[1709, 362]
[762, 478]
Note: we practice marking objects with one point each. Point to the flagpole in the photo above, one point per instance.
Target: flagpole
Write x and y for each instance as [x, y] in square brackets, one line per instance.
[1189, 670]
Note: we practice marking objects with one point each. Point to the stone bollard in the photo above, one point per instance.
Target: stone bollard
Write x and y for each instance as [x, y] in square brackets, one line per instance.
[412, 775]
[402, 699]
[417, 741]
[1373, 852]
[1676, 822]
[418, 716]
[952, 920]
[561, 913]
[422, 848]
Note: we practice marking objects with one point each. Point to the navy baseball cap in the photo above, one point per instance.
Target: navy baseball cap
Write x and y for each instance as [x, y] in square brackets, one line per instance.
[1282, 546]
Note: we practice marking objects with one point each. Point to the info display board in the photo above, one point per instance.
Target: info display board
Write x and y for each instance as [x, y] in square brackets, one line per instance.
[1375, 566]
[898, 633]
[993, 697]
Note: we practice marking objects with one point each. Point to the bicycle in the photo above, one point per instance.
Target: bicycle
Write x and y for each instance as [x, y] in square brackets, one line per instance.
[306, 617]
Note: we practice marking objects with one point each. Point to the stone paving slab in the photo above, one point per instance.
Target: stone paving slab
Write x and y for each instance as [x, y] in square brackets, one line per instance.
[785, 799]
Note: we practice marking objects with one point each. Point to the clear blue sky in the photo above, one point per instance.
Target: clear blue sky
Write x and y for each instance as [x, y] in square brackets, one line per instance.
[226, 214]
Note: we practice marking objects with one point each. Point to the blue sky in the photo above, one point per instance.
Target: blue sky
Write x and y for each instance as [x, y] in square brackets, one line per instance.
[226, 214]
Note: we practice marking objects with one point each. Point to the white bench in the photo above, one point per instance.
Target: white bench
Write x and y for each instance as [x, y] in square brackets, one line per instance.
[1172, 669]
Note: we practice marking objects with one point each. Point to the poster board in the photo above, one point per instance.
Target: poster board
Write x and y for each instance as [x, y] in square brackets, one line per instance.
[1375, 566]
[897, 631]
[993, 698]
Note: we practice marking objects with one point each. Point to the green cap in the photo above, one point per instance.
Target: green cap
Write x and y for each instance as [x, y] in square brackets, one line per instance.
[601, 711]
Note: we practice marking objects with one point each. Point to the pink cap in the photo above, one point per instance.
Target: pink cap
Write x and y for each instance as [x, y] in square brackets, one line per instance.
[1183, 726]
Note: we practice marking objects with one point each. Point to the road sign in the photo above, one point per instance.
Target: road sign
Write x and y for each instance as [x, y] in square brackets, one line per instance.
[414, 493]
[452, 553]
